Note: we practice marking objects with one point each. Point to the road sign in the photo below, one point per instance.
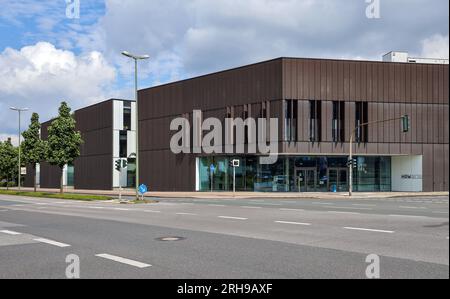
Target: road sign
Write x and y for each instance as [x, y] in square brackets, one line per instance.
[143, 189]
[235, 163]
[23, 171]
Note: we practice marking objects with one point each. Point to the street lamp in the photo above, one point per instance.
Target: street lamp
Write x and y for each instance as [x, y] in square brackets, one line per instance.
[20, 110]
[136, 58]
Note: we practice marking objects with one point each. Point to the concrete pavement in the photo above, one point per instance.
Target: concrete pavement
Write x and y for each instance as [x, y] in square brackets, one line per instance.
[229, 238]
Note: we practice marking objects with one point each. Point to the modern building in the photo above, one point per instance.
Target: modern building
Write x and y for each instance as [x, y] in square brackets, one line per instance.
[108, 130]
[317, 103]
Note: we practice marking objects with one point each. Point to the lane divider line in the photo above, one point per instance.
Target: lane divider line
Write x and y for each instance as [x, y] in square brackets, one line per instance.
[51, 242]
[293, 223]
[232, 218]
[186, 214]
[370, 230]
[123, 260]
[8, 232]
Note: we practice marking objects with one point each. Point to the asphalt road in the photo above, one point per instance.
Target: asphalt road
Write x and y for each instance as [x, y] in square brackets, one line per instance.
[225, 238]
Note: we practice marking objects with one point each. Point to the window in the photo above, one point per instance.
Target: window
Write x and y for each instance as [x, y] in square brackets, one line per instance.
[315, 121]
[338, 123]
[362, 117]
[123, 150]
[127, 116]
[291, 117]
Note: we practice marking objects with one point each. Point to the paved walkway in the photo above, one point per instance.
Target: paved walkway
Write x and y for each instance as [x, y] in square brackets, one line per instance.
[212, 195]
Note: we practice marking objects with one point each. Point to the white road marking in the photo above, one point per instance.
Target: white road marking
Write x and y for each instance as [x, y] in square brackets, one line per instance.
[151, 211]
[363, 205]
[123, 260]
[270, 204]
[51, 242]
[233, 218]
[8, 232]
[440, 212]
[97, 208]
[370, 230]
[214, 205]
[346, 213]
[41, 204]
[187, 214]
[293, 223]
[323, 203]
[408, 216]
[121, 209]
[412, 208]
[350, 208]
[249, 207]
[18, 205]
[292, 210]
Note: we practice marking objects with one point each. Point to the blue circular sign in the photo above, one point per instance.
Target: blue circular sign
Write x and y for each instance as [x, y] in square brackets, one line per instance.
[143, 189]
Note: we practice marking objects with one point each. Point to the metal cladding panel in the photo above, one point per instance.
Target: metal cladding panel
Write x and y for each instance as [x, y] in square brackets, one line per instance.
[93, 170]
[29, 177]
[50, 176]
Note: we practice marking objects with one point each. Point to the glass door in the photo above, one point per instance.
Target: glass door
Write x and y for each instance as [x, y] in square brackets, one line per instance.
[338, 179]
[306, 179]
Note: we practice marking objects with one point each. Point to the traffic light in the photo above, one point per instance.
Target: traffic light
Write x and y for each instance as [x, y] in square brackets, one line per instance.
[118, 165]
[405, 124]
[124, 164]
[353, 163]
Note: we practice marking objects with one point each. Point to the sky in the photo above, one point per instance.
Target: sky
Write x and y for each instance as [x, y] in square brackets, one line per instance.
[50, 53]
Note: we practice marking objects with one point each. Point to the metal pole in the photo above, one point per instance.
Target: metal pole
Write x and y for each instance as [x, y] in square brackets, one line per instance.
[20, 172]
[234, 181]
[350, 165]
[137, 126]
[212, 182]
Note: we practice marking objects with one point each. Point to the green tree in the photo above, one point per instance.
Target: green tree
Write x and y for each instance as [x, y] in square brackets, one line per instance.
[33, 147]
[63, 142]
[9, 157]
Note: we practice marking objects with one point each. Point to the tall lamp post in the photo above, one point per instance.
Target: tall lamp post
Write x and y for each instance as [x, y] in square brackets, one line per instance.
[136, 58]
[20, 110]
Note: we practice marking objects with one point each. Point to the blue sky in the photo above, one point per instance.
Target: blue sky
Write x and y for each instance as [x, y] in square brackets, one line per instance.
[46, 57]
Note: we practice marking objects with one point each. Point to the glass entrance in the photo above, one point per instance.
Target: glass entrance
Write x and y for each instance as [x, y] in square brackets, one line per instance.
[338, 179]
[306, 179]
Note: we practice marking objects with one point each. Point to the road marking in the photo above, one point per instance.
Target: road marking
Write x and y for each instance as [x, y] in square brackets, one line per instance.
[350, 208]
[292, 210]
[41, 204]
[233, 218]
[187, 214]
[323, 203]
[346, 213]
[294, 223]
[363, 205]
[51, 242]
[121, 209]
[440, 212]
[18, 205]
[151, 211]
[97, 208]
[8, 232]
[413, 208]
[370, 230]
[214, 205]
[270, 204]
[249, 207]
[123, 260]
[408, 216]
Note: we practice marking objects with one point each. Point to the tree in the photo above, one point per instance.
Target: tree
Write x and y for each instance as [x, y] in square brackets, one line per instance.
[63, 142]
[9, 157]
[33, 147]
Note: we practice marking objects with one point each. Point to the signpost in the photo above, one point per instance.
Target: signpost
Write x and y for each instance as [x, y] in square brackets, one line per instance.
[120, 165]
[235, 164]
[142, 190]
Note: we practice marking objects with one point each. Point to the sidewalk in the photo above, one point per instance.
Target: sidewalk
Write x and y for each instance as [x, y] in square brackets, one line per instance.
[242, 195]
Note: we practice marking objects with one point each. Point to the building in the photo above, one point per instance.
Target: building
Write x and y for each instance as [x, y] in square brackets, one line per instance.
[108, 130]
[317, 102]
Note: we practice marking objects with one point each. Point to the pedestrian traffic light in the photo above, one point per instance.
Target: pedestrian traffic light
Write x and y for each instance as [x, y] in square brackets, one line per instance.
[353, 163]
[405, 124]
[119, 165]
[124, 164]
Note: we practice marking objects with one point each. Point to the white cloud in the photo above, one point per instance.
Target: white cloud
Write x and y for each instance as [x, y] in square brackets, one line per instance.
[41, 76]
[14, 138]
[436, 46]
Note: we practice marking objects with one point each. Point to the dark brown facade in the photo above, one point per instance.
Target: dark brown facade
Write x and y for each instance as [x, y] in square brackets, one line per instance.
[50, 176]
[389, 89]
[93, 169]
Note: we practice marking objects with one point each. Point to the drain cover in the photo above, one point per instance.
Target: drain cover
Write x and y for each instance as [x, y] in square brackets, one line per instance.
[170, 239]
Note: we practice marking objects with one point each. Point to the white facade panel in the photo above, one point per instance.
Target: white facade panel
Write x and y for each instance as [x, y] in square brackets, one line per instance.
[131, 143]
[407, 174]
[116, 143]
[118, 115]
[133, 116]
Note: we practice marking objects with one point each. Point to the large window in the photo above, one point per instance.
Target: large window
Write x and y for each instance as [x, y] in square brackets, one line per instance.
[315, 121]
[127, 116]
[338, 122]
[362, 117]
[291, 117]
[123, 145]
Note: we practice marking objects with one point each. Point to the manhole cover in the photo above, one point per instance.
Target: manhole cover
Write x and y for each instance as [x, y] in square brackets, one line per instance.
[170, 239]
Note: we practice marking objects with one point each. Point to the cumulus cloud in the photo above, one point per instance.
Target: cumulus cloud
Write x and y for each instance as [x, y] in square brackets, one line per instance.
[41, 76]
[436, 46]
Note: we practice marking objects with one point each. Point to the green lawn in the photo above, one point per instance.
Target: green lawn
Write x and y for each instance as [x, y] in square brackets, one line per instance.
[67, 196]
